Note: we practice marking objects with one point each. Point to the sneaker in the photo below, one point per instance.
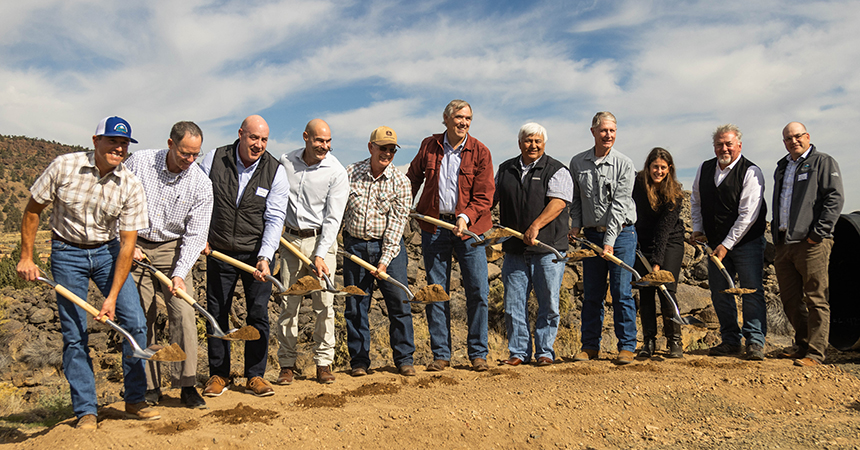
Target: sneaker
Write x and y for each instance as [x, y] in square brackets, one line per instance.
[754, 352]
[259, 387]
[215, 386]
[725, 349]
[141, 411]
[152, 396]
[191, 398]
[87, 422]
[324, 375]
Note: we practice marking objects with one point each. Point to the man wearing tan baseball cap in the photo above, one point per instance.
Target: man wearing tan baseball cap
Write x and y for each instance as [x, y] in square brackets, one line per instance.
[376, 214]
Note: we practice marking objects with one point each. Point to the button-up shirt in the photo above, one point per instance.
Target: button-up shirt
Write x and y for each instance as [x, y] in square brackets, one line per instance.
[89, 208]
[603, 192]
[276, 200]
[378, 208]
[318, 195]
[449, 177]
[788, 188]
[179, 204]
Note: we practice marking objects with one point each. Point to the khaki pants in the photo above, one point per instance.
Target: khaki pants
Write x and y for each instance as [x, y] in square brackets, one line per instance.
[181, 317]
[292, 269]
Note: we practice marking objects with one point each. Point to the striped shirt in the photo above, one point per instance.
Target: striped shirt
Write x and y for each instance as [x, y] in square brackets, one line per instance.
[179, 204]
[378, 208]
[89, 208]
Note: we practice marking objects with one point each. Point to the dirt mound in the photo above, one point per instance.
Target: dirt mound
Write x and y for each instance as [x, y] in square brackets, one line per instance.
[171, 428]
[243, 414]
[432, 293]
[437, 380]
[373, 389]
[322, 401]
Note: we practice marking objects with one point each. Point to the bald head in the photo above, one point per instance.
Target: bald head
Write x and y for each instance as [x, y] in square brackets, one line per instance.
[253, 138]
[317, 138]
[796, 139]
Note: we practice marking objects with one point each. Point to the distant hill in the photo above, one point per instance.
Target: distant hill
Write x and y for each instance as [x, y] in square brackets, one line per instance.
[22, 159]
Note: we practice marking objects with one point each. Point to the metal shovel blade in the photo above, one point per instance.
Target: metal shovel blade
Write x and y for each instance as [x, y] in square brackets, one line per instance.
[732, 288]
[501, 234]
[667, 296]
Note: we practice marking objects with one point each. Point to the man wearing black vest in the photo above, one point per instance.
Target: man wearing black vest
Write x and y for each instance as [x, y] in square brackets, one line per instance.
[807, 199]
[250, 193]
[533, 191]
[728, 208]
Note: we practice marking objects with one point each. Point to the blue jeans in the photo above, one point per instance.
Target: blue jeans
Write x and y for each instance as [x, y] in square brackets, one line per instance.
[72, 268]
[521, 274]
[437, 249]
[399, 313]
[747, 262]
[221, 279]
[623, 304]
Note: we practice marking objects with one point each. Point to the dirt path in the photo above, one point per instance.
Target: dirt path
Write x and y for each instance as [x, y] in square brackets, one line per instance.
[697, 402]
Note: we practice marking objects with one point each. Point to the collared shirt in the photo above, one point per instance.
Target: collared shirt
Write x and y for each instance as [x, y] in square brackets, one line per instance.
[449, 177]
[560, 186]
[378, 208]
[318, 196]
[276, 200]
[89, 208]
[788, 188]
[749, 203]
[603, 192]
[179, 204]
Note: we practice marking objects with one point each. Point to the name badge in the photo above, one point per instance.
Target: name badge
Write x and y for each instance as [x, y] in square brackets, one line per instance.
[262, 192]
[802, 177]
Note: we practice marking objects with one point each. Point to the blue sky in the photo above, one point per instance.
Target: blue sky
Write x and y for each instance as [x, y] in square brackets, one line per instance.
[671, 72]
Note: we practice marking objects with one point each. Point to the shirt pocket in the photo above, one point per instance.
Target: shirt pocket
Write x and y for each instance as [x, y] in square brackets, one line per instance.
[355, 199]
[585, 184]
[108, 211]
[383, 201]
[466, 178]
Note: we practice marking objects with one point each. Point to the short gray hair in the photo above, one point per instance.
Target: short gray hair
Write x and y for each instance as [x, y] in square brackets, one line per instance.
[530, 129]
[182, 129]
[601, 116]
[454, 106]
[727, 128]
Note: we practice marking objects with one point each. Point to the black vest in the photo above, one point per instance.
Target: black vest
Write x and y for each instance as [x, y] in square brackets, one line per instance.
[719, 204]
[238, 229]
[520, 203]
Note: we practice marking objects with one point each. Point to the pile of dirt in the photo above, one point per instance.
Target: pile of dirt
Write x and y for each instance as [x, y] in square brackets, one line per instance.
[246, 333]
[305, 284]
[580, 254]
[172, 427]
[243, 414]
[659, 277]
[353, 290]
[431, 294]
[169, 353]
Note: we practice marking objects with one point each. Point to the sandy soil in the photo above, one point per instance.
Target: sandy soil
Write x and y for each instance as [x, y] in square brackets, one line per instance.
[696, 402]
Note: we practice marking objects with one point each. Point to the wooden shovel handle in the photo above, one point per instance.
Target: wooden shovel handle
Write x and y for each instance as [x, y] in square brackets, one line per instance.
[232, 261]
[296, 251]
[365, 264]
[519, 235]
[77, 300]
[182, 294]
[434, 221]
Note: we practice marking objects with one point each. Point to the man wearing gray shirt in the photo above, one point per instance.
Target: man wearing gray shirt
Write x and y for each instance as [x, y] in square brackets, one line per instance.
[319, 189]
[604, 210]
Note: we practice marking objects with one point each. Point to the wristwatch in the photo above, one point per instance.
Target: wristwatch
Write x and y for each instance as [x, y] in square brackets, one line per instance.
[263, 258]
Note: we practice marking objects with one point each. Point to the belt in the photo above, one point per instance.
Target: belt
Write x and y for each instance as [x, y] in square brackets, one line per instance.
[57, 237]
[448, 217]
[147, 241]
[602, 229]
[303, 233]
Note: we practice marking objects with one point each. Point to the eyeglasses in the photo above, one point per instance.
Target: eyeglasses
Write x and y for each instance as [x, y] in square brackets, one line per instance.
[390, 149]
[796, 137]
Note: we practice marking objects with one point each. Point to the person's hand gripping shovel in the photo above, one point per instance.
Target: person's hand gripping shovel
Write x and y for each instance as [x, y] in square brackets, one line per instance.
[427, 294]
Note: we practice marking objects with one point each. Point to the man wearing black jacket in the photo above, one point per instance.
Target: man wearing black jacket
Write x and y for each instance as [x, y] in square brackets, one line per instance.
[807, 199]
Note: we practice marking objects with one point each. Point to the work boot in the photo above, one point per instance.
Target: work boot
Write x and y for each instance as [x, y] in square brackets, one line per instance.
[189, 397]
[152, 396]
[585, 355]
[676, 349]
[324, 375]
[649, 347]
[724, 349]
[754, 352]
[141, 411]
[87, 422]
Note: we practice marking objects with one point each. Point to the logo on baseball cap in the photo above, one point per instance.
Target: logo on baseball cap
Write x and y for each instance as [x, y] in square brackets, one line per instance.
[115, 126]
[383, 136]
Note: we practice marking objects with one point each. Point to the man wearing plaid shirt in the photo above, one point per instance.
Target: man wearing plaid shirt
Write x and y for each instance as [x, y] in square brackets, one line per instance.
[376, 214]
[179, 200]
[95, 198]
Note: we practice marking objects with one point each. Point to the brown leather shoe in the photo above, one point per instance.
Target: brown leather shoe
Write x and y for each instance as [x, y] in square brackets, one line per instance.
[259, 387]
[324, 375]
[215, 386]
[286, 376]
[510, 362]
[480, 365]
[87, 422]
[544, 361]
[407, 370]
[141, 411]
[807, 362]
[791, 353]
[624, 357]
[358, 372]
[585, 355]
[438, 365]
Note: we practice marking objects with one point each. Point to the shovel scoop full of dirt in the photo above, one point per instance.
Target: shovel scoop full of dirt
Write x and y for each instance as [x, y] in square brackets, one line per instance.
[171, 353]
[739, 291]
[431, 294]
[305, 284]
[498, 233]
[353, 290]
[246, 333]
[579, 255]
[660, 276]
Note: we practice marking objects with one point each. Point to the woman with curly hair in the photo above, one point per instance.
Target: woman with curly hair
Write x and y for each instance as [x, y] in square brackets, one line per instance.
[658, 198]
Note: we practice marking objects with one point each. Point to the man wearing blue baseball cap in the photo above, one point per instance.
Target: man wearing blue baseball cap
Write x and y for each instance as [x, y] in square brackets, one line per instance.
[96, 199]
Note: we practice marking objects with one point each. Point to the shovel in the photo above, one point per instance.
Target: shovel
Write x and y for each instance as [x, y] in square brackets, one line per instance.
[427, 294]
[732, 289]
[501, 234]
[676, 313]
[151, 353]
[246, 333]
[446, 225]
[329, 286]
[240, 265]
[638, 281]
